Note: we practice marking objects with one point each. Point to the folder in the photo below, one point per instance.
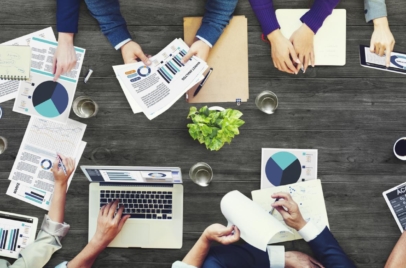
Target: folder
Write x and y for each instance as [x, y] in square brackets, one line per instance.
[229, 59]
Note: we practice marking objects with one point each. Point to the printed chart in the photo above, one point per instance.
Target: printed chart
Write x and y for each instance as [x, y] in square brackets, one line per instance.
[172, 66]
[50, 99]
[287, 166]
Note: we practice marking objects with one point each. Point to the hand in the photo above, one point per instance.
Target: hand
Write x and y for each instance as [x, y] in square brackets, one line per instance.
[131, 51]
[65, 56]
[108, 224]
[199, 49]
[296, 259]
[302, 40]
[222, 234]
[59, 175]
[283, 53]
[292, 215]
[382, 40]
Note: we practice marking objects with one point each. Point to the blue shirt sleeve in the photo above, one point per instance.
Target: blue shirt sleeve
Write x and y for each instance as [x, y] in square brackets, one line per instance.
[67, 16]
[217, 16]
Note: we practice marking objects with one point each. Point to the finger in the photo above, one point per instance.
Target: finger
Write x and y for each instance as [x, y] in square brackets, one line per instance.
[102, 210]
[58, 72]
[283, 203]
[293, 54]
[283, 195]
[382, 50]
[226, 230]
[55, 167]
[376, 50]
[372, 46]
[313, 58]
[283, 212]
[315, 262]
[113, 208]
[54, 65]
[144, 58]
[237, 233]
[274, 64]
[302, 60]
[306, 62]
[289, 67]
[122, 221]
[107, 209]
[187, 57]
[387, 57]
[119, 214]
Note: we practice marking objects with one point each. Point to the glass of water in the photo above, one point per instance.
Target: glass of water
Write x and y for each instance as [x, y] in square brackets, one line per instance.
[85, 107]
[3, 144]
[267, 102]
[201, 174]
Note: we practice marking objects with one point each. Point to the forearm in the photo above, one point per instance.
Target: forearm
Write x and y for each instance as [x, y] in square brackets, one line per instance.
[87, 256]
[198, 253]
[319, 11]
[57, 209]
[397, 257]
[265, 13]
[67, 15]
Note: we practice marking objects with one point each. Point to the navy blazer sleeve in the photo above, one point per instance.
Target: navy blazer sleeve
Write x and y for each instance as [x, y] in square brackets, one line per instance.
[327, 251]
[67, 16]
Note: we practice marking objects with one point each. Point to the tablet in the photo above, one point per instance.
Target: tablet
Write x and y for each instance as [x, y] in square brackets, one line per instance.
[371, 60]
[16, 233]
[396, 200]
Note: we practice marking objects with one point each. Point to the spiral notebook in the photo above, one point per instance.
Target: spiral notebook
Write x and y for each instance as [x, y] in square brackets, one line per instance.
[15, 62]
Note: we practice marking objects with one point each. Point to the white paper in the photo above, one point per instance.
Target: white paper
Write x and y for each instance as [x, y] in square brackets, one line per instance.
[397, 60]
[40, 196]
[133, 104]
[157, 87]
[286, 166]
[310, 199]
[9, 88]
[40, 96]
[256, 225]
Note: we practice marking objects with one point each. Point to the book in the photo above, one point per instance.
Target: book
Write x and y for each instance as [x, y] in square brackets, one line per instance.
[15, 62]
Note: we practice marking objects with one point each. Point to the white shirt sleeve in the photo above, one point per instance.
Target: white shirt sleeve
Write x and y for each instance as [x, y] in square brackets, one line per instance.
[309, 231]
[276, 256]
[179, 264]
[118, 46]
[204, 40]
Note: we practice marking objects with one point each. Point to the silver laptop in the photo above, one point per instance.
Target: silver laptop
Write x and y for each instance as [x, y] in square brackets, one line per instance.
[153, 196]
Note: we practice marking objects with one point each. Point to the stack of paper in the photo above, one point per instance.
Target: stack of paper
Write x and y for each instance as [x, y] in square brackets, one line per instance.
[155, 88]
[31, 178]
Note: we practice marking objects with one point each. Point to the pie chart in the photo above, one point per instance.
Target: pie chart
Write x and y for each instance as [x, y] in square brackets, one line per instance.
[50, 99]
[283, 168]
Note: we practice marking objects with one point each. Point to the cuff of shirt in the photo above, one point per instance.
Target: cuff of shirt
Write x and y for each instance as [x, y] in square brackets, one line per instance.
[309, 231]
[315, 17]
[62, 265]
[276, 256]
[204, 40]
[55, 228]
[267, 18]
[370, 16]
[209, 33]
[179, 264]
[117, 35]
[118, 46]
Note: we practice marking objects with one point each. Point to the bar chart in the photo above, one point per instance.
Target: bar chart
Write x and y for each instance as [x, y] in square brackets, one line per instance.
[172, 66]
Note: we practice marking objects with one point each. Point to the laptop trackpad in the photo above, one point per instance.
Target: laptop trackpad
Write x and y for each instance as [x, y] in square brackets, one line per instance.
[137, 234]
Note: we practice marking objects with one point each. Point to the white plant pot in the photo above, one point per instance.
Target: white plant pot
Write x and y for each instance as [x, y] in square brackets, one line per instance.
[216, 108]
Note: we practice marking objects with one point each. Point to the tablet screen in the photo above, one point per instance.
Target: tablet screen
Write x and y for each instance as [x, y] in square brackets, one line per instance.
[397, 60]
[397, 201]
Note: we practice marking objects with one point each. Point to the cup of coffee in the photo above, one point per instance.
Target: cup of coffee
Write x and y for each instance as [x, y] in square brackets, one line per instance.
[267, 102]
[399, 149]
[85, 107]
[201, 174]
[3, 144]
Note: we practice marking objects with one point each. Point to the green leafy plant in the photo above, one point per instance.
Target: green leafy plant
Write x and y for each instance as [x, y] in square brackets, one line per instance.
[214, 128]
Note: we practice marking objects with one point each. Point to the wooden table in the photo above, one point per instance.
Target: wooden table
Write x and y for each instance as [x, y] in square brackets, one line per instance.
[352, 115]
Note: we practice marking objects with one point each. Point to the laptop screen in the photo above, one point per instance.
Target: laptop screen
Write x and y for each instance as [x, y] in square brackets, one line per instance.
[133, 174]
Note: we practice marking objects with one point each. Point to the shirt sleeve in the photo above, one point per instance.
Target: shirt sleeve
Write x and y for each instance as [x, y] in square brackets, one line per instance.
[374, 9]
[265, 13]
[67, 16]
[309, 231]
[276, 256]
[179, 264]
[62, 265]
[319, 11]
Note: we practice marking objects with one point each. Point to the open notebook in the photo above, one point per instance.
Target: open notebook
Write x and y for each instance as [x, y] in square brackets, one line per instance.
[15, 62]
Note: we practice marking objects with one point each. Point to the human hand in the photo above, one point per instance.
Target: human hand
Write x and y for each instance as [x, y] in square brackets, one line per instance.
[59, 175]
[199, 49]
[222, 234]
[108, 224]
[382, 40]
[132, 51]
[283, 53]
[65, 56]
[302, 40]
[296, 259]
[291, 215]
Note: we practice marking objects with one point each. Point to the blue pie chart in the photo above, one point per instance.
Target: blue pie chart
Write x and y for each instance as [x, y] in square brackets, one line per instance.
[50, 99]
[283, 168]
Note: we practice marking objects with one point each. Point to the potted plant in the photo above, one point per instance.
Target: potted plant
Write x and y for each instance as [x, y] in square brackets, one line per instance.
[214, 128]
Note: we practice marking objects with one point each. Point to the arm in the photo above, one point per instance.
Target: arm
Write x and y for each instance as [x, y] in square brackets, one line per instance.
[319, 11]
[397, 257]
[67, 16]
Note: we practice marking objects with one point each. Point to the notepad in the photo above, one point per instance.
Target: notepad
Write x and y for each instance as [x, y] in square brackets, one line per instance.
[15, 62]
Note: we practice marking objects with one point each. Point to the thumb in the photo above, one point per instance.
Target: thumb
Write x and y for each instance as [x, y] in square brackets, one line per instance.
[283, 212]
[143, 58]
[187, 57]
[122, 221]
[226, 230]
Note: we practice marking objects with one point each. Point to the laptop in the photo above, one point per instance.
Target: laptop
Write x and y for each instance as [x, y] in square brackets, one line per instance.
[153, 196]
[330, 40]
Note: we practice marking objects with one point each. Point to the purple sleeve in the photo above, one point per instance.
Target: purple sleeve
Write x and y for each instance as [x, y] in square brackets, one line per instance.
[266, 16]
[320, 10]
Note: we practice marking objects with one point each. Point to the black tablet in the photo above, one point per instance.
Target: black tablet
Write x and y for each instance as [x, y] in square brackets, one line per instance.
[371, 60]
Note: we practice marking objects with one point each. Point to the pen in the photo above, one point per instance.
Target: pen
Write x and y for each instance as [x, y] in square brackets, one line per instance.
[272, 210]
[203, 81]
[89, 73]
[62, 165]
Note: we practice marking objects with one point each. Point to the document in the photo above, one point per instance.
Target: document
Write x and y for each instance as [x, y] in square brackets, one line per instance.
[256, 225]
[15, 62]
[157, 87]
[308, 196]
[133, 104]
[9, 88]
[41, 96]
[32, 168]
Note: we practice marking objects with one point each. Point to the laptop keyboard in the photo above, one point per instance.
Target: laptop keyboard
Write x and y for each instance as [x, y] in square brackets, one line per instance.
[141, 204]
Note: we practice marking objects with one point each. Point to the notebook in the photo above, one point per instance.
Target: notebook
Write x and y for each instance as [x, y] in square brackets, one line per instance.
[329, 41]
[310, 199]
[15, 62]
[229, 59]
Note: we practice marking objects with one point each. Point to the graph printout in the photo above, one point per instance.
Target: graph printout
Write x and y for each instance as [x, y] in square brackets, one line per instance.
[41, 96]
[16, 233]
[31, 175]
